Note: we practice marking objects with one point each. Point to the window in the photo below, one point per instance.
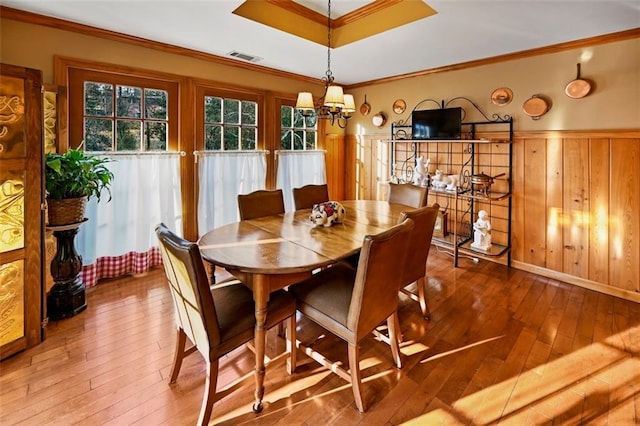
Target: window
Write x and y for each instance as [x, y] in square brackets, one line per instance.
[229, 120]
[231, 156]
[230, 124]
[117, 112]
[124, 118]
[296, 131]
[131, 116]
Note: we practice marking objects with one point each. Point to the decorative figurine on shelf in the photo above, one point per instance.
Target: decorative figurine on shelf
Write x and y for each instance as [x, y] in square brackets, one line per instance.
[482, 232]
[453, 182]
[439, 181]
[327, 213]
[421, 176]
[445, 182]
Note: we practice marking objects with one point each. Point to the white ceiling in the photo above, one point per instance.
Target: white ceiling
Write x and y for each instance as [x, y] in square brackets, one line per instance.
[463, 30]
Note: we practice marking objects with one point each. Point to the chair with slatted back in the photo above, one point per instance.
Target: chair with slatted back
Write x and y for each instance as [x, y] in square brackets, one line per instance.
[260, 203]
[308, 195]
[408, 194]
[415, 264]
[352, 303]
[217, 320]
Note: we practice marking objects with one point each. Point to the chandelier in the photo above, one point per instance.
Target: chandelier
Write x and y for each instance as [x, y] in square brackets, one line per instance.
[334, 104]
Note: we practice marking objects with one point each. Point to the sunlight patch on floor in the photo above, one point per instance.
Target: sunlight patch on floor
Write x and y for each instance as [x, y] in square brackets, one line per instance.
[460, 349]
[594, 379]
[409, 348]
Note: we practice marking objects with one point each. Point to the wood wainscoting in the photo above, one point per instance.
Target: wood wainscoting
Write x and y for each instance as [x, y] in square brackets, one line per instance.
[576, 203]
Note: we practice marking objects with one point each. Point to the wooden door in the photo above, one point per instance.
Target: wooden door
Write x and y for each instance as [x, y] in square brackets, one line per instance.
[21, 215]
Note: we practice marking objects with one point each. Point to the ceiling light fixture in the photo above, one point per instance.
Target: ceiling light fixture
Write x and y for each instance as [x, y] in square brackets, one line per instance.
[334, 104]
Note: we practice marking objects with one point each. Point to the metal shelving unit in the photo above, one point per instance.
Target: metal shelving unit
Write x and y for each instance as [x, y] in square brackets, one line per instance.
[472, 155]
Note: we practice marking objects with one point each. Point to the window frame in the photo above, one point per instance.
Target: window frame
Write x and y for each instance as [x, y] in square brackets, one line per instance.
[242, 95]
[77, 79]
[315, 129]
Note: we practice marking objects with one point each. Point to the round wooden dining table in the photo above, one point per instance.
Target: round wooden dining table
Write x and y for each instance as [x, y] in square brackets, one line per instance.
[272, 252]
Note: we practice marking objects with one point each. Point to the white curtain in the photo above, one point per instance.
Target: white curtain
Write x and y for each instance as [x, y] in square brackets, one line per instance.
[222, 176]
[145, 191]
[299, 168]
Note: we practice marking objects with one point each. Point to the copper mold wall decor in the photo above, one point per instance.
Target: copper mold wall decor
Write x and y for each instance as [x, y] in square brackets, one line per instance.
[399, 106]
[579, 87]
[536, 106]
[365, 108]
[502, 96]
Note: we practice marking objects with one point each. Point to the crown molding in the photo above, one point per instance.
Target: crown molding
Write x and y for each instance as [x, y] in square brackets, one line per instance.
[33, 18]
[61, 24]
[554, 48]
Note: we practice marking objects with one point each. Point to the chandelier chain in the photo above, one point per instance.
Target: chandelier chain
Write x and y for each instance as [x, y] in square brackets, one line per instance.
[334, 105]
[329, 74]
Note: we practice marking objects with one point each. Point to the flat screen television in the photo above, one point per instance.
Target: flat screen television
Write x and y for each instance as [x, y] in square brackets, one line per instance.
[442, 123]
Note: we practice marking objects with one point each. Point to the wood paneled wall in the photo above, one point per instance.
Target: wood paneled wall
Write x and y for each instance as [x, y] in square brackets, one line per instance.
[335, 161]
[576, 209]
[576, 203]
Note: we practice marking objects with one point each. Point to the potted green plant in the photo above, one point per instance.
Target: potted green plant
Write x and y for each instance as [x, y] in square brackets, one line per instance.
[72, 178]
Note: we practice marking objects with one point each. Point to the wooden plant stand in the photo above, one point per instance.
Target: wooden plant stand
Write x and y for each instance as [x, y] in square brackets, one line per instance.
[67, 296]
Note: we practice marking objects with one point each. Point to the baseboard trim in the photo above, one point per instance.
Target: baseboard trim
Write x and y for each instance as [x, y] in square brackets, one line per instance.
[581, 282]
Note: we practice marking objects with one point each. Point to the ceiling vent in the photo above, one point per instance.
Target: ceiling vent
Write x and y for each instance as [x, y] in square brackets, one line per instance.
[244, 56]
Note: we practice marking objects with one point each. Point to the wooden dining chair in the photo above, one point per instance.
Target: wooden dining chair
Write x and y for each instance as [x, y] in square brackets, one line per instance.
[308, 195]
[414, 268]
[399, 193]
[217, 320]
[260, 203]
[352, 303]
[415, 265]
[408, 194]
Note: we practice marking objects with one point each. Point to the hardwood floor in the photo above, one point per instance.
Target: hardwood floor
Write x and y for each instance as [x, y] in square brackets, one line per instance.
[503, 346]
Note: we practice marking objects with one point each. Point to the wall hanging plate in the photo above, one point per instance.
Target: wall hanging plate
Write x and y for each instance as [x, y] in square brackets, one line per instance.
[379, 119]
[535, 107]
[578, 88]
[502, 96]
[399, 106]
